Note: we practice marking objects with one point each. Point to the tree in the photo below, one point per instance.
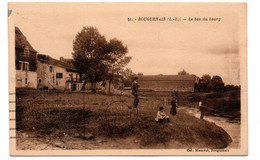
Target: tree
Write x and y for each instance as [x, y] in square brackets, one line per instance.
[206, 82]
[183, 72]
[89, 53]
[197, 83]
[116, 60]
[205, 78]
[228, 88]
[128, 76]
[197, 79]
[217, 83]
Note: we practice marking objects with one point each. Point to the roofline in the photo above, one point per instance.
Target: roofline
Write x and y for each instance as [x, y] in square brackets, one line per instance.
[67, 68]
[17, 29]
[29, 49]
[71, 70]
[169, 80]
[163, 75]
[166, 78]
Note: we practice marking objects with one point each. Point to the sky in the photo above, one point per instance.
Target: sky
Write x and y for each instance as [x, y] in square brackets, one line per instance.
[156, 47]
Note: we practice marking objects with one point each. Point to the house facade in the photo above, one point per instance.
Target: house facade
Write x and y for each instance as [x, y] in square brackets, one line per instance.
[181, 83]
[55, 74]
[41, 71]
[25, 62]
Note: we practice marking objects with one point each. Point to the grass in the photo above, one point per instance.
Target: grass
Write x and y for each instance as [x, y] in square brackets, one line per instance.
[59, 114]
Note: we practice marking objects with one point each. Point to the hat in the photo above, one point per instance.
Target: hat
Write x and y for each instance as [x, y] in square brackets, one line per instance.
[136, 78]
[161, 108]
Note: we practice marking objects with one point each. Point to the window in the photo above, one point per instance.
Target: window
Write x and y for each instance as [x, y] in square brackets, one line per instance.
[58, 75]
[25, 81]
[40, 81]
[51, 68]
[26, 51]
[42, 66]
[24, 65]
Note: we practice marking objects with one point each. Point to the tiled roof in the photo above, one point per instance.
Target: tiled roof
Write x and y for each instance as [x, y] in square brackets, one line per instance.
[166, 78]
[21, 41]
[49, 60]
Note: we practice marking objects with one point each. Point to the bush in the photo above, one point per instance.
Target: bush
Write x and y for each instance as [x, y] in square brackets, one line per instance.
[215, 95]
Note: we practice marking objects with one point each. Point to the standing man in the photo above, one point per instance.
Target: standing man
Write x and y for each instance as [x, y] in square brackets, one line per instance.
[135, 87]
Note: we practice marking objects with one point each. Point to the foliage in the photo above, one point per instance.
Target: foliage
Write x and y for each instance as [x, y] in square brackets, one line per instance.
[116, 61]
[89, 53]
[217, 83]
[215, 95]
[98, 59]
[128, 76]
[140, 74]
[206, 78]
[183, 72]
[218, 103]
[208, 84]
[228, 88]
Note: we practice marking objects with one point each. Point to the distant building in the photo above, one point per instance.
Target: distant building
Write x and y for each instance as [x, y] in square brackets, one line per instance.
[25, 61]
[182, 83]
[56, 74]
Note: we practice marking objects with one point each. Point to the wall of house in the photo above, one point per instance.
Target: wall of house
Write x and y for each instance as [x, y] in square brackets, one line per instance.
[21, 77]
[184, 86]
[48, 78]
[31, 59]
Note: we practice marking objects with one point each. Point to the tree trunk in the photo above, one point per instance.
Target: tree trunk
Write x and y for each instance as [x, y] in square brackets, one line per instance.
[84, 85]
[93, 86]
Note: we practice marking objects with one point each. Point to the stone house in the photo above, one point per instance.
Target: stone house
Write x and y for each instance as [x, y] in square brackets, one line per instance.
[56, 74]
[25, 62]
[181, 83]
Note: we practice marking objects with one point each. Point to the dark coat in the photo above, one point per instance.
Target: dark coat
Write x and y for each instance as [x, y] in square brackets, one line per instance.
[135, 88]
[173, 108]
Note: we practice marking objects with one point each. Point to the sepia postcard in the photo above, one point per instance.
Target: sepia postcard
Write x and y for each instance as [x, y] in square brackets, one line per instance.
[127, 79]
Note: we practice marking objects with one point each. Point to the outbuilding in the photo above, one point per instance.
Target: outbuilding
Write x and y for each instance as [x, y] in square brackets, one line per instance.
[181, 83]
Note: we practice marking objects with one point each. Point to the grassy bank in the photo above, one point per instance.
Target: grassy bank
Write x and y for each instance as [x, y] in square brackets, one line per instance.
[61, 114]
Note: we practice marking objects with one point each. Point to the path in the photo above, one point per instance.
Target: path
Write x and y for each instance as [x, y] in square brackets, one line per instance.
[232, 128]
